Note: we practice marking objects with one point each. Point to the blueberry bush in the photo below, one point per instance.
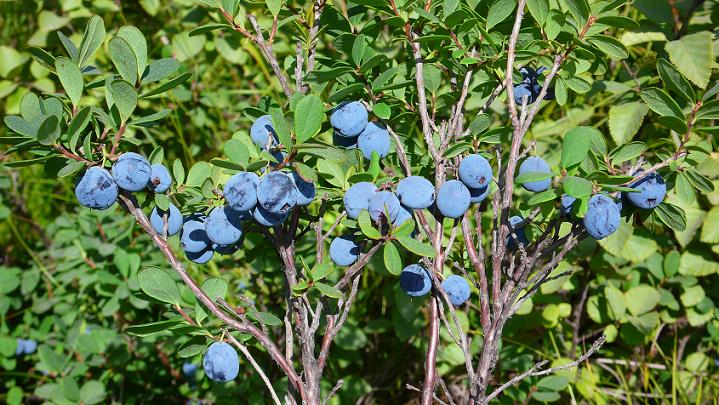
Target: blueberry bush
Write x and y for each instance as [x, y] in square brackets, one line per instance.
[377, 201]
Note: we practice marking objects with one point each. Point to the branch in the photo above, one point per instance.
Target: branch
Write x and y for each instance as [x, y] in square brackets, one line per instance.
[532, 372]
[430, 366]
[357, 266]
[256, 366]
[333, 391]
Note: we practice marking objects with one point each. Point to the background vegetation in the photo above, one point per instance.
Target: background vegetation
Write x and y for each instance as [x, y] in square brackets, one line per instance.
[68, 274]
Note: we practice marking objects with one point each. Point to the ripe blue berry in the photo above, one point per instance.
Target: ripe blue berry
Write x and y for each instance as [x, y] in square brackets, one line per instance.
[174, 220]
[477, 195]
[266, 218]
[521, 91]
[415, 281]
[241, 191]
[305, 190]
[221, 362]
[652, 190]
[276, 193]
[160, 180]
[224, 225]
[457, 289]
[200, 257]
[535, 164]
[349, 118]
[566, 205]
[193, 236]
[374, 138]
[344, 250]
[415, 192]
[131, 172]
[602, 217]
[96, 189]
[383, 204]
[475, 172]
[189, 369]
[349, 142]
[403, 216]
[453, 199]
[261, 130]
[357, 198]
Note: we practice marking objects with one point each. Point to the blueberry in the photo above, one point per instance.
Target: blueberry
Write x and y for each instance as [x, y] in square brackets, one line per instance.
[241, 191]
[305, 190]
[20, 348]
[174, 220]
[357, 198]
[566, 205]
[193, 237]
[602, 217]
[160, 179]
[225, 249]
[30, 346]
[221, 362]
[200, 257]
[403, 216]
[652, 190]
[535, 164]
[383, 203]
[344, 250]
[415, 281]
[453, 199]
[374, 138]
[96, 189]
[521, 91]
[349, 118]
[415, 192]
[349, 142]
[131, 172]
[521, 236]
[266, 218]
[477, 195]
[260, 132]
[189, 369]
[475, 172]
[224, 225]
[276, 193]
[529, 75]
[457, 289]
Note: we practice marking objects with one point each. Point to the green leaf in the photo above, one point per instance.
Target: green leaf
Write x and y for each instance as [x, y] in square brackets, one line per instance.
[162, 201]
[42, 57]
[432, 78]
[577, 187]
[198, 173]
[660, 102]
[448, 7]
[710, 227]
[528, 177]
[544, 196]
[616, 302]
[237, 151]
[47, 134]
[539, 10]
[382, 110]
[415, 246]
[693, 56]
[392, 259]
[124, 59]
[178, 171]
[321, 271]
[19, 125]
[610, 46]
[620, 22]
[308, 117]
[579, 9]
[698, 264]
[641, 299]
[125, 98]
[171, 84]
[160, 69]
[152, 119]
[192, 347]
[78, 124]
[156, 283]
[70, 78]
[306, 172]
[269, 319]
[675, 81]
[575, 146]
[625, 120]
[92, 39]
[358, 49]
[365, 223]
[51, 360]
[152, 328]
[281, 127]
[328, 290]
[274, 6]
[627, 152]
[554, 24]
[69, 46]
[134, 37]
[499, 11]
[673, 216]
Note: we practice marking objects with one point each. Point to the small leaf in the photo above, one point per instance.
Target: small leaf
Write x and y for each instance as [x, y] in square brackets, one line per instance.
[627, 152]
[675, 81]
[237, 152]
[153, 328]
[78, 124]
[575, 146]
[528, 177]
[673, 216]
[156, 283]
[321, 271]
[19, 125]
[178, 171]
[358, 49]
[610, 46]
[661, 103]
[47, 134]
[382, 111]
[392, 259]
[125, 98]
[625, 120]
[641, 299]
[124, 59]
[328, 290]
[693, 55]
[134, 37]
[162, 201]
[160, 69]
[92, 39]
[308, 117]
[499, 11]
[305, 172]
[539, 9]
[415, 246]
[281, 127]
[365, 223]
[70, 78]
[69, 46]
[171, 84]
[577, 187]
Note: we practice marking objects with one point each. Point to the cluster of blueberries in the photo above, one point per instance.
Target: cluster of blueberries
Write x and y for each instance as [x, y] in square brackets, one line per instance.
[267, 200]
[25, 346]
[530, 87]
[603, 212]
[352, 129]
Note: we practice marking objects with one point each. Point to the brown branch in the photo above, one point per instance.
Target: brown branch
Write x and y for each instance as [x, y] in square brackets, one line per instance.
[256, 366]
